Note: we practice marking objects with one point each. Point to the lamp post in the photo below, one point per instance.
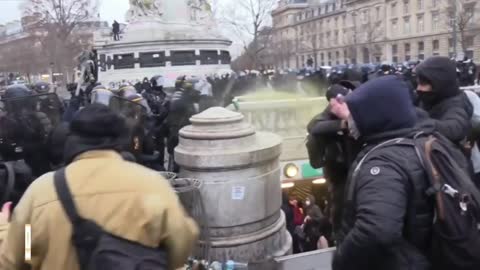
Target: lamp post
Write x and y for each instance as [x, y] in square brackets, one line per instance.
[454, 28]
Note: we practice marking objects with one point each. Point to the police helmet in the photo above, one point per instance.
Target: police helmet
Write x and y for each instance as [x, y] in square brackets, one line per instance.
[157, 81]
[17, 91]
[101, 95]
[127, 90]
[41, 87]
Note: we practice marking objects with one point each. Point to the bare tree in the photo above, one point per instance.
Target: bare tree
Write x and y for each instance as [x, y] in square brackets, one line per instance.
[365, 33]
[284, 53]
[54, 23]
[462, 16]
[248, 18]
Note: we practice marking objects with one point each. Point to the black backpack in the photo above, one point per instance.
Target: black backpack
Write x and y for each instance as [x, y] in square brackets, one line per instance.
[456, 226]
[100, 250]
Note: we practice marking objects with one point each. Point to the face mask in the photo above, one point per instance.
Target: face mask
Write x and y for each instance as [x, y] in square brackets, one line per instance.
[427, 98]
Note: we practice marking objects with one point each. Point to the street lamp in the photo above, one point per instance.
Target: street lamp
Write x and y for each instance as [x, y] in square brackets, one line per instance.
[51, 72]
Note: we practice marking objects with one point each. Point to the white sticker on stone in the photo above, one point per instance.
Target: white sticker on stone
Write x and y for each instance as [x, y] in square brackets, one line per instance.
[375, 171]
[238, 193]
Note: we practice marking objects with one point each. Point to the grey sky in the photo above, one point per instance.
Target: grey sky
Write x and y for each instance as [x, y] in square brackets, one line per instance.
[109, 10]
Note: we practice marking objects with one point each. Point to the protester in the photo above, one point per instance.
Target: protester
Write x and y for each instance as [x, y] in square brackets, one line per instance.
[440, 95]
[124, 198]
[330, 147]
[387, 220]
[312, 224]
[116, 31]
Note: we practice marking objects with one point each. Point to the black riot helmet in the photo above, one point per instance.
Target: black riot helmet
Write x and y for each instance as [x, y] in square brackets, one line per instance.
[157, 82]
[41, 87]
[17, 91]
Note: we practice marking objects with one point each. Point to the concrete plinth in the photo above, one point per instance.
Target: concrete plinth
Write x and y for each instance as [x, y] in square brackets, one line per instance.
[240, 171]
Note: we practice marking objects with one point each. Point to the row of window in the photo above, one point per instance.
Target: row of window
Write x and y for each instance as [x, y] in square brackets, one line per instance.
[159, 59]
[435, 45]
[407, 4]
[321, 10]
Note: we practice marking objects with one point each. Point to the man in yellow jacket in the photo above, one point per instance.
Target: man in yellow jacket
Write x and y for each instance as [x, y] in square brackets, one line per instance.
[126, 199]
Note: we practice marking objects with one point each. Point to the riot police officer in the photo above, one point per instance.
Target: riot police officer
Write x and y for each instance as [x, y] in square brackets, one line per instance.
[182, 107]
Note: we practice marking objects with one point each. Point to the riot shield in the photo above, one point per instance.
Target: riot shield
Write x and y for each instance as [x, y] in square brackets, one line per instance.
[135, 115]
[46, 108]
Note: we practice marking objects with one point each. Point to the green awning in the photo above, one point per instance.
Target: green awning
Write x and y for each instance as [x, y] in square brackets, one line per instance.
[309, 172]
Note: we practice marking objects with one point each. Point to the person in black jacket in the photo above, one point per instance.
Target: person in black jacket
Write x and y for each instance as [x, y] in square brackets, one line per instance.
[387, 221]
[331, 148]
[439, 94]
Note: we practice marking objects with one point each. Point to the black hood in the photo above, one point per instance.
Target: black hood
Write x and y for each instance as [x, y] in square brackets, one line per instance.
[382, 105]
[424, 125]
[441, 73]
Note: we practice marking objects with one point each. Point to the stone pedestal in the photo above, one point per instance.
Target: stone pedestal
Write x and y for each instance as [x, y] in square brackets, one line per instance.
[239, 170]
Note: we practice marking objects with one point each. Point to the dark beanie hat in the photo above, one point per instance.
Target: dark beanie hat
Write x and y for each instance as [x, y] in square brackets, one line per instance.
[382, 105]
[98, 120]
[96, 127]
[335, 90]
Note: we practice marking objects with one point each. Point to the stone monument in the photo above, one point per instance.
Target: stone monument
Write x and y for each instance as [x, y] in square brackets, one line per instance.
[164, 37]
[240, 174]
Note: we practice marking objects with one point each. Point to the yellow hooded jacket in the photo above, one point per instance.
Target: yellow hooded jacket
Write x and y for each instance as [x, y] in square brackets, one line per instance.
[124, 198]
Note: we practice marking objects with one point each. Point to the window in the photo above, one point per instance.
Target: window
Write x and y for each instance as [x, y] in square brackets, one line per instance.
[395, 59]
[406, 28]
[407, 57]
[436, 45]
[394, 26]
[182, 58]
[434, 3]
[420, 24]
[406, 7]
[209, 57]
[322, 56]
[468, 42]
[394, 9]
[421, 56]
[394, 49]
[152, 59]
[435, 21]
[365, 16]
[377, 13]
[421, 46]
[124, 61]
[420, 4]
[407, 48]
[336, 37]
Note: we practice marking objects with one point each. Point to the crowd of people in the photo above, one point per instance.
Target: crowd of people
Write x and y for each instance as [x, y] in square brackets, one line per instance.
[398, 147]
[399, 159]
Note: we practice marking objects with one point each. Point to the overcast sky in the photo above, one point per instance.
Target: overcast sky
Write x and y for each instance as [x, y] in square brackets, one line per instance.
[109, 10]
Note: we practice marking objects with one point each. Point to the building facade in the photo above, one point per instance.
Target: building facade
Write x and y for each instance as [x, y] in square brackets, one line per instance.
[333, 32]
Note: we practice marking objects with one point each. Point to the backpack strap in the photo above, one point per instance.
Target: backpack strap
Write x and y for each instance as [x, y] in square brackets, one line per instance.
[10, 180]
[356, 171]
[65, 196]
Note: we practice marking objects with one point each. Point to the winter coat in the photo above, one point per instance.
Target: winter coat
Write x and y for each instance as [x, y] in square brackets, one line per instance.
[452, 117]
[387, 219]
[124, 198]
[387, 224]
[450, 108]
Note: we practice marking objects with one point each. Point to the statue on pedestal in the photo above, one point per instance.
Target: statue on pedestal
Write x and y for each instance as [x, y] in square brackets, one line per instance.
[145, 9]
[200, 11]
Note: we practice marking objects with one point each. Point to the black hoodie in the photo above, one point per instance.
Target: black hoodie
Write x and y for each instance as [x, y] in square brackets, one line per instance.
[450, 107]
